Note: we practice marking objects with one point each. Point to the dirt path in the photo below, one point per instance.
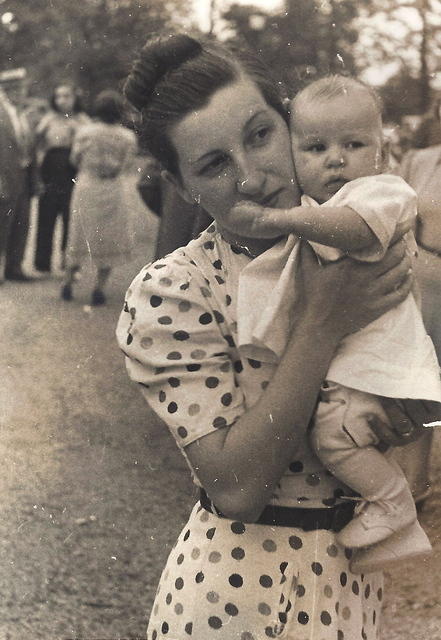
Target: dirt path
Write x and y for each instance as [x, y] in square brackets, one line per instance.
[93, 488]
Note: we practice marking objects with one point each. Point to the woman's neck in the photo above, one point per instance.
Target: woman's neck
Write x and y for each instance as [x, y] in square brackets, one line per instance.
[251, 246]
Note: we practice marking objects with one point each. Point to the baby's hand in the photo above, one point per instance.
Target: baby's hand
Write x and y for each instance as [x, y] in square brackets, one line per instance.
[255, 221]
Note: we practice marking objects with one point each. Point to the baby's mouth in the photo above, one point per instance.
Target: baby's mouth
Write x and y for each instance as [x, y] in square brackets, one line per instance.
[334, 184]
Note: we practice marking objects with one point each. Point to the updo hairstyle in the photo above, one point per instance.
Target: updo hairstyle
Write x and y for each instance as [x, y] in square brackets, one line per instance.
[177, 74]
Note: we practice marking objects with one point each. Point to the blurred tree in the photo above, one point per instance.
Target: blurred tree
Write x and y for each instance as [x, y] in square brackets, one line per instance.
[89, 42]
[306, 38]
[407, 32]
[400, 95]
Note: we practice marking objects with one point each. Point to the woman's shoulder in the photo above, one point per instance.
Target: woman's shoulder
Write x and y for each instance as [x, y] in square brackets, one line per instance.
[82, 118]
[168, 273]
[47, 119]
[87, 127]
[180, 275]
[418, 161]
[424, 156]
[126, 137]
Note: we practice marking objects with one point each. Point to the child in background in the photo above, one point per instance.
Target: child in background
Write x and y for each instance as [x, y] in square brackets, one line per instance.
[349, 208]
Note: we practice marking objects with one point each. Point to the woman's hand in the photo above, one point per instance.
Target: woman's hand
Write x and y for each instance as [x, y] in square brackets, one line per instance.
[406, 420]
[345, 296]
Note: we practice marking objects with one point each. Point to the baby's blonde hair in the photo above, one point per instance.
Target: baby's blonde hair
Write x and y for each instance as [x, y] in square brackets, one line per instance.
[336, 85]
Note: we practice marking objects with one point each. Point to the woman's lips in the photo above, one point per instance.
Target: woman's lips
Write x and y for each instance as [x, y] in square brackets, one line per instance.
[271, 199]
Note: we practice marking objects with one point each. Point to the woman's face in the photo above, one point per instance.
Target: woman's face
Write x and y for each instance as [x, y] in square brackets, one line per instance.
[64, 98]
[236, 148]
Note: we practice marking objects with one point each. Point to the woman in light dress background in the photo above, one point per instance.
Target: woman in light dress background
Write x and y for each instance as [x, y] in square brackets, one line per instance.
[101, 228]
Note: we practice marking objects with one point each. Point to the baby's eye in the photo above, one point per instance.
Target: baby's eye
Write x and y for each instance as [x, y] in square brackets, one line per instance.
[317, 147]
[355, 144]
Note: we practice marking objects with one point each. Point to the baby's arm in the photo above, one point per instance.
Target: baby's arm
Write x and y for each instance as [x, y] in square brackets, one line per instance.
[361, 219]
[339, 227]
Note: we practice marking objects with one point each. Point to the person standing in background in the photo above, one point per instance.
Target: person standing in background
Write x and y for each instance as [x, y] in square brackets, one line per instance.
[55, 134]
[15, 85]
[10, 174]
[101, 230]
[421, 168]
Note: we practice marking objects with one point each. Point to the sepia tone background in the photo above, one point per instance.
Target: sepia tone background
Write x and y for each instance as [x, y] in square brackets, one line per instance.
[93, 488]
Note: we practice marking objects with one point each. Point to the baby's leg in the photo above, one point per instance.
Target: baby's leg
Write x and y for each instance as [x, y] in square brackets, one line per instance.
[343, 441]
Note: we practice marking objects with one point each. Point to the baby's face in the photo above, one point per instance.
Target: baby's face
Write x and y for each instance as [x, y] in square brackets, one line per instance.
[335, 140]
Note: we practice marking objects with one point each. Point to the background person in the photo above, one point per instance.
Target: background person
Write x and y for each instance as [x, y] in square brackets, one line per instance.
[55, 134]
[11, 174]
[217, 124]
[101, 226]
[15, 84]
[421, 168]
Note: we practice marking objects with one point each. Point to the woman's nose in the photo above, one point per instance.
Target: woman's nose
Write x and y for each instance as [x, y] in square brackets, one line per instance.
[250, 181]
[250, 176]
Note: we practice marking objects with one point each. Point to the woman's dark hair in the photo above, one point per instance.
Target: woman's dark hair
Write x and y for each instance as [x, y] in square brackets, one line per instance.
[177, 74]
[77, 105]
[109, 106]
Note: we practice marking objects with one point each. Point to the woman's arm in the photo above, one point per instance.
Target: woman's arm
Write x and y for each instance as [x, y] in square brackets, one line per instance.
[240, 466]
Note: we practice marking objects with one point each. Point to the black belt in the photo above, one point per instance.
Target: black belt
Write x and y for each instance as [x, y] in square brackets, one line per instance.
[332, 518]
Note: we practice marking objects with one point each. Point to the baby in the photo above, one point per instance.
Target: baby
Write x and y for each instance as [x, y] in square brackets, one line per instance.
[349, 208]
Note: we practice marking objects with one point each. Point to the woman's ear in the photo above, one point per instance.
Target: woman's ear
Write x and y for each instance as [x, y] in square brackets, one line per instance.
[177, 184]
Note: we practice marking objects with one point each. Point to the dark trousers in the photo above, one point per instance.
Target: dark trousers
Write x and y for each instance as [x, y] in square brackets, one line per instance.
[19, 228]
[57, 174]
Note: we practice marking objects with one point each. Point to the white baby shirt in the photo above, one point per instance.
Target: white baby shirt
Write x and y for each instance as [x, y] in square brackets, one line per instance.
[393, 356]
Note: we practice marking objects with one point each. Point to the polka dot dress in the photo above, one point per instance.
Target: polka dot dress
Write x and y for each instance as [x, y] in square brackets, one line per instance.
[178, 330]
[229, 580]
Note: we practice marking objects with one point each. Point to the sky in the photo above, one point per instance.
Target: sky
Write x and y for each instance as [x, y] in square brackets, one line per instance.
[375, 75]
[202, 7]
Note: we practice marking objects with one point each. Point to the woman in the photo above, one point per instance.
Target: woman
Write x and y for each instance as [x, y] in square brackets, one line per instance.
[422, 170]
[55, 133]
[100, 230]
[258, 557]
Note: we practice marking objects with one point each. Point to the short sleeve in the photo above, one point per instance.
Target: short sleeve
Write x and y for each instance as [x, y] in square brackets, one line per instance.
[383, 201]
[172, 336]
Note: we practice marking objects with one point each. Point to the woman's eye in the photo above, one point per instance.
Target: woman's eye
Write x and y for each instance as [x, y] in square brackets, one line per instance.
[355, 144]
[214, 166]
[260, 135]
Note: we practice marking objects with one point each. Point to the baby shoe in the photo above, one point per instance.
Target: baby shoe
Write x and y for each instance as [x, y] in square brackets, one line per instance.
[410, 542]
[378, 519]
